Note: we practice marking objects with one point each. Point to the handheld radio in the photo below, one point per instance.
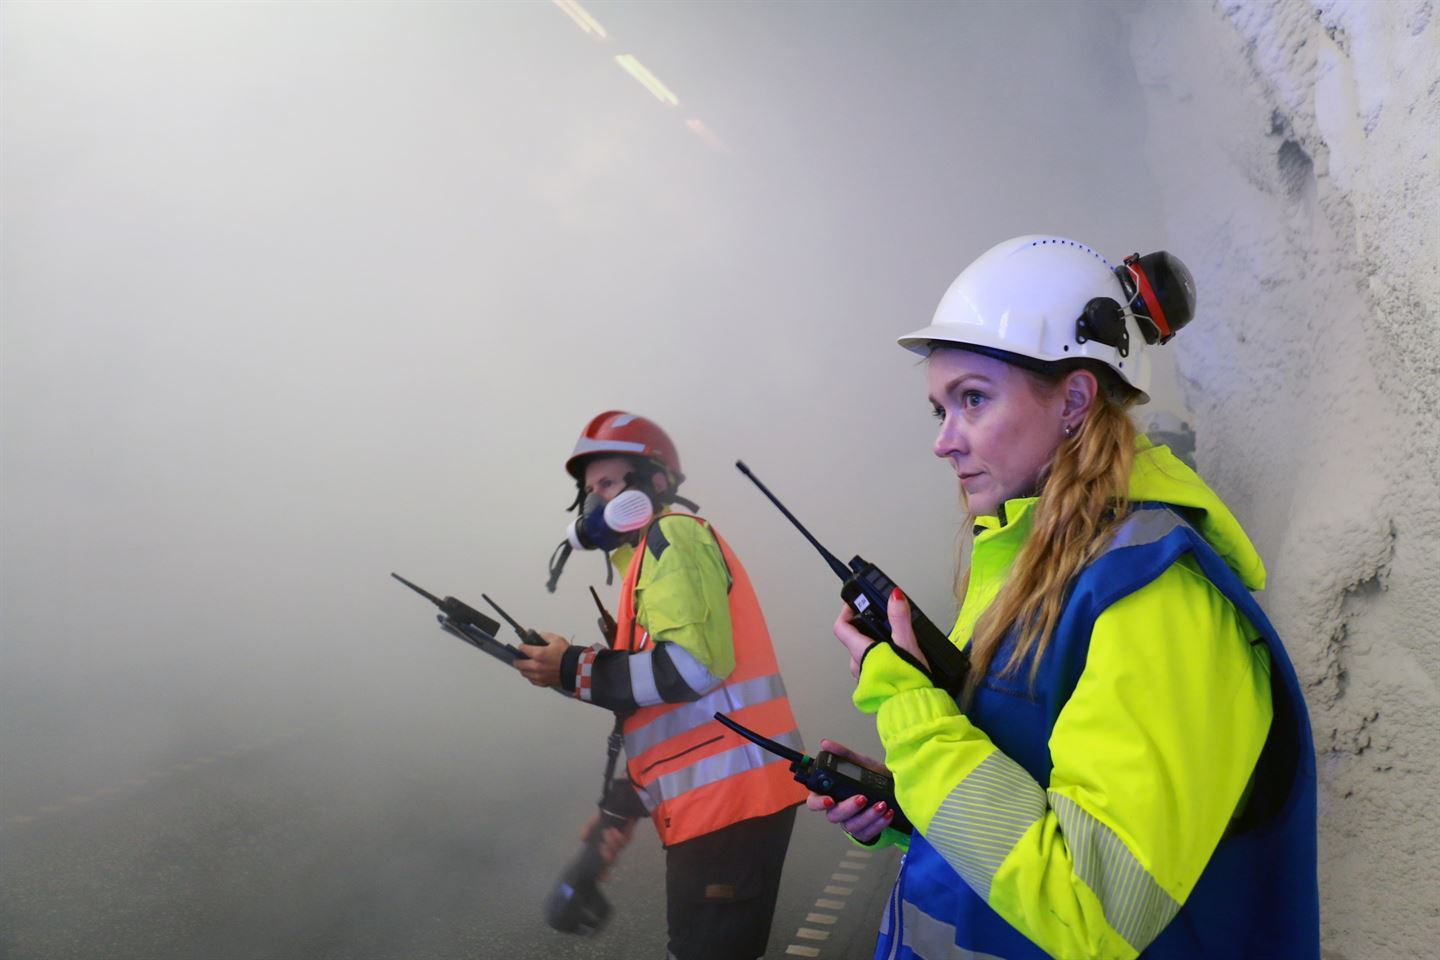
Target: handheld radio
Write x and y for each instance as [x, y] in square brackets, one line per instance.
[829, 775]
[608, 627]
[526, 634]
[464, 621]
[867, 590]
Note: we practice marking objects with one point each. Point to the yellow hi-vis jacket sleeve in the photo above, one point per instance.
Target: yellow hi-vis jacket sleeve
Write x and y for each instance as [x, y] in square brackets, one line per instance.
[683, 596]
[1151, 759]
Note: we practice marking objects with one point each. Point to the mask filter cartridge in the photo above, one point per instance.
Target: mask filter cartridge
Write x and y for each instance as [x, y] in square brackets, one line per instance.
[603, 526]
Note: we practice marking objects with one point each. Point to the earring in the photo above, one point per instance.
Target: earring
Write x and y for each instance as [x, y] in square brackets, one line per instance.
[1069, 431]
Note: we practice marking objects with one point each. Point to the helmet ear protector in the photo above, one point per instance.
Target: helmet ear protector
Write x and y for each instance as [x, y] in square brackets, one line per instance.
[1161, 295]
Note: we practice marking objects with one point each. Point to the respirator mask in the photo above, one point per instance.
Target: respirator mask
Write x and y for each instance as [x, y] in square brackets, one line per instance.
[603, 526]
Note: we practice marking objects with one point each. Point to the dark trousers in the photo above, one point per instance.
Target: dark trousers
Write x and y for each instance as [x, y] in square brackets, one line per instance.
[721, 889]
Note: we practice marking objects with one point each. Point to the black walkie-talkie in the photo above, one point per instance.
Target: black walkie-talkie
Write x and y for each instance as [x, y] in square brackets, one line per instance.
[464, 621]
[526, 634]
[608, 627]
[867, 591]
[829, 775]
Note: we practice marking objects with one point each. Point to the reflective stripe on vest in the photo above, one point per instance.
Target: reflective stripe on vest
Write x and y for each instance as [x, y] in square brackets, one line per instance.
[726, 698]
[714, 768]
[695, 775]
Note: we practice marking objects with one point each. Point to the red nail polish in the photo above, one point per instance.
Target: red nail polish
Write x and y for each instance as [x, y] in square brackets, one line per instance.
[880, 806]
[889, 814]
[829, 802]
[860, 801]
[897, 595]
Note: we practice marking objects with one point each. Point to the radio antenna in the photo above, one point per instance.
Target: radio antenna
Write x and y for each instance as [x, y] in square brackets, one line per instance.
[842, 571]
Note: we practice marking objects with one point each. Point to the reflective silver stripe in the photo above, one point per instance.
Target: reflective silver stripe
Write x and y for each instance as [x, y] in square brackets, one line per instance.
[933, 939]
[983, 818]
[1144, 526]
[1135, 905]
[586, 445]
[702, 773]
[642, 678]
[727, 699]
[692, 671]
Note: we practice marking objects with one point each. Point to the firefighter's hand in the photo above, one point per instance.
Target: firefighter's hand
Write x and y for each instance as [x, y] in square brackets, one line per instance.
[612, 841]
[543, 667]
[856, 815]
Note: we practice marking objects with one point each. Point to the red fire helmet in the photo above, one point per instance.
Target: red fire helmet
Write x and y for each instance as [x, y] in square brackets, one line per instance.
[617, 433]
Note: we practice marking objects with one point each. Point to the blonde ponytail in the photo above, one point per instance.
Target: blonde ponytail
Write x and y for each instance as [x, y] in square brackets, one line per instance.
[1083, 496]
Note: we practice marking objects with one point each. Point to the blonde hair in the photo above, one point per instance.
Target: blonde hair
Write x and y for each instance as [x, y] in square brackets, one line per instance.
[1083, 495]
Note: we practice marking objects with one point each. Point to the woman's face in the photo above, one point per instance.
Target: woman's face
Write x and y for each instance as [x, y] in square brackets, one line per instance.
[999, 427]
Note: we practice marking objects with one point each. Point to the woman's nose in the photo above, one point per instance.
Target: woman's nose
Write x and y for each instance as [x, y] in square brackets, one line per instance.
[948, 441]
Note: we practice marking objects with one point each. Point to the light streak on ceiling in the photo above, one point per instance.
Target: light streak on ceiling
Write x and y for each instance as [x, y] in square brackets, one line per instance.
[697, 127]
[581, 17]
[648, 80]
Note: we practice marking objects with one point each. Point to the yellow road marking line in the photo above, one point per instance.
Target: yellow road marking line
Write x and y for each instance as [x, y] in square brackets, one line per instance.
[845, 877]
[825, 918]
[796, 950]
[847, 865]
[806, 933]
[835, 891]
[830, 904]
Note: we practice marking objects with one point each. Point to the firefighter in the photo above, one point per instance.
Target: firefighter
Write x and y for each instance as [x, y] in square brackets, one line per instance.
[690, 640]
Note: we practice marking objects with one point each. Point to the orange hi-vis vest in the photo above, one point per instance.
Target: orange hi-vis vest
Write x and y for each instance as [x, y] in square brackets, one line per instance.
[695, 775]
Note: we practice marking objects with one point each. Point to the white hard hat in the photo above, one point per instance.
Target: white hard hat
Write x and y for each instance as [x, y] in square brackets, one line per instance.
[1048, 299]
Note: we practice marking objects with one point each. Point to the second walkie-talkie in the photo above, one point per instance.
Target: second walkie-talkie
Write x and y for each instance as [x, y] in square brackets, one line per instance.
[830, 775]
[867, 591]
[526, 634]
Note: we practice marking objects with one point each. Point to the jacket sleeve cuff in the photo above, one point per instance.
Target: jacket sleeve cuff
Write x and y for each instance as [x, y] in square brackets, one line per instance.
[913, 712]
[570, 667]
[889, 837]
[885, 672]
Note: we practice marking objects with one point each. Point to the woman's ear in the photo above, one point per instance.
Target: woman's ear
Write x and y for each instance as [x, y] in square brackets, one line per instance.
[1078, 392]
[659, 482]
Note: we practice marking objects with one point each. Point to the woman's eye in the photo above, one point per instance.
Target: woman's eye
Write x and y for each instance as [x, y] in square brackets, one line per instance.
[971, 398]
[937, 413]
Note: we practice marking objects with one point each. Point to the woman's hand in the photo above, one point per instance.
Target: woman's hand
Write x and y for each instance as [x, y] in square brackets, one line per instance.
[855, 641]
[856, 815]
[902, 632]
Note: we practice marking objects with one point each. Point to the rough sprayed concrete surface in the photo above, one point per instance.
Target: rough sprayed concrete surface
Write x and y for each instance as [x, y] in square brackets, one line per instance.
[1298, 150]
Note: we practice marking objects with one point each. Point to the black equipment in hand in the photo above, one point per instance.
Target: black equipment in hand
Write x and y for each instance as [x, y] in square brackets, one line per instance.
[867, 590]
[464, 621]
[576, 905]
[526, 634]
[830, 775]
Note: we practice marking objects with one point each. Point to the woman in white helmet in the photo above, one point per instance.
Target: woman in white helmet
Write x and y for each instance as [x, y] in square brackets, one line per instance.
[1129, 769]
